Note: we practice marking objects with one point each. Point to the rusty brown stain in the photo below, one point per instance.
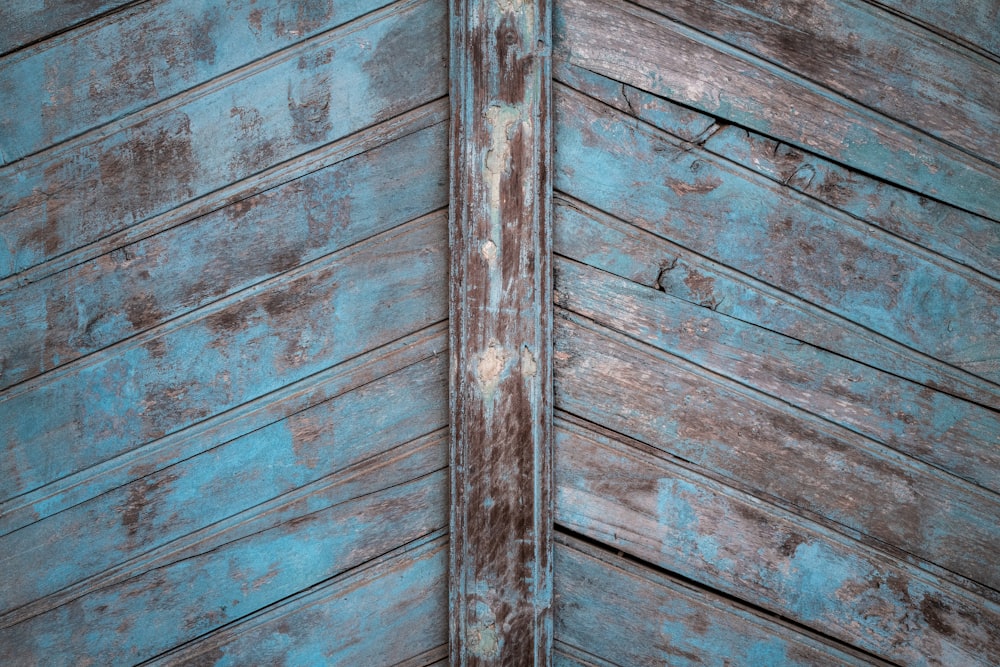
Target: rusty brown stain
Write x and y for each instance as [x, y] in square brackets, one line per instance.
[700, 186]
[139, 512]
[256, 15]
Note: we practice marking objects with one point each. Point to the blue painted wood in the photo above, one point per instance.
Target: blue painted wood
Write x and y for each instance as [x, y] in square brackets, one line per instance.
[259, 414]
[954, 435]
[973, 21]
[958, 235]
[151, 612]
[217, 358]
[500, 590]
[84, 541]
[384, 614]
[868, 55]
[662, 511]
[27, 21]
[633, 616]
[625, 250]
[735, 216]
[148, 54]
[776, 450]
[65, 317]
[717, 79]
[233, 128]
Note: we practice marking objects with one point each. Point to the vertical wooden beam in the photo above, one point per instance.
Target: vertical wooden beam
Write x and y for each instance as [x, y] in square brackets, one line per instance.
[501, 373]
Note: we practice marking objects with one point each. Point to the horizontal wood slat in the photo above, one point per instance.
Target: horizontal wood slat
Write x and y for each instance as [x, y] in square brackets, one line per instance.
[736, 217]
[625, 250]
[383, 615]
[90, 538]
[660, 510]
[957, 436]
[58, 320]
[868, 55]
[150, 53]
[187, 147]
[258, 414]
[27, 21]
[634, 616]
[265, 337]
[966, 238]
[776, 450]
[623, 41]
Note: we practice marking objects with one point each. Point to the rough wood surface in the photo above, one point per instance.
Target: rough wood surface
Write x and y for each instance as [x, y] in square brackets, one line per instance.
[232, 128]
[632, 615]
[973, 21]
[866, 54]
[258, 414]
[500, 333]
[85, 541]
[147, 54]
[625, 250]
[957, 436]
[27, 21]
[775, 449]
[663, 512]
[66, 316]
[738, 218]
[966, 238]
[622, 41]
[217, 358]
[387, 612]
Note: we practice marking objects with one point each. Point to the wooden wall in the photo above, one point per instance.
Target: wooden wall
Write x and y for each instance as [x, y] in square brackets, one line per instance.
[223, 352]
[776, 333]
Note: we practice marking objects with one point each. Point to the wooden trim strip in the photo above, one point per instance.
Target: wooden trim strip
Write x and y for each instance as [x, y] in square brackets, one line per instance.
[500, 237]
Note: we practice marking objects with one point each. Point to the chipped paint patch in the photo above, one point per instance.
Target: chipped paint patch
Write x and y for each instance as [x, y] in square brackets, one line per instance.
[490, 366]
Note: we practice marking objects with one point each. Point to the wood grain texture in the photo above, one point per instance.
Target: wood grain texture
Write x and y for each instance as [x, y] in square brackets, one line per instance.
[622, 41]
[144, 55]
[632, 615]
[383, 614]
[951, 434]
[217, 358]
[625, 250]
[65, 317]
[867, 55]
[775, 449]
[662, 511]
[149, 163]
[27, 21]
[972, 21]
[89, 539]
[966, 238]
[258, 414]
[500, 333]
[740, 219]
[150, 612]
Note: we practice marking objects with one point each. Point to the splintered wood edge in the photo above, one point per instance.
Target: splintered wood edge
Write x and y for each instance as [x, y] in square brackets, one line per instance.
[501, 313]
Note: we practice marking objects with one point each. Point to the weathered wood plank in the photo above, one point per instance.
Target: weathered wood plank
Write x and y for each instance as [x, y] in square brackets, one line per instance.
[242, 347]
[623, 41]
[866, 54]
[149, 53]
[681, 192]
[500, 240]
[237, 126]
[254, 415]
[611, 245]
[961, 236]
[972, 21]
[635, 616]
[27, 21]
[58, 320]
[92, 537]
[204, 588]
[378, 616]
[775, 449]
[957, 436]
[663, 512]
[564, 655]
